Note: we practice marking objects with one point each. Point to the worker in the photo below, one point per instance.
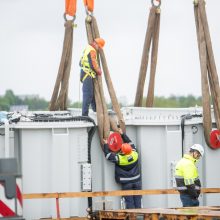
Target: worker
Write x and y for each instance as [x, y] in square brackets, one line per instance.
[89, 69]
[187, 178]
[127, 170]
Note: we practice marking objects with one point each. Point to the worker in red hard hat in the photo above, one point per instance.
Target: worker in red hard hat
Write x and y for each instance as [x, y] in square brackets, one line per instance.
[89, 70]
[187, 176]
[127, 169]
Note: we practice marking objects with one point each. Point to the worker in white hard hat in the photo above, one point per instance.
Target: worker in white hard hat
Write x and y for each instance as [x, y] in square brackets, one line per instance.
[187, 177]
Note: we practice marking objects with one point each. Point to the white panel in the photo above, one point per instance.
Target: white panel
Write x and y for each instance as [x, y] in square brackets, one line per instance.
[36, 165]
[174, 153]
[2, 143]
[152, 142]
[60, 167]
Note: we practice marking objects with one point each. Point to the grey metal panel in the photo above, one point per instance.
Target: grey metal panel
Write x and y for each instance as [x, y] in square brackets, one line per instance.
[155, 132]
[36, 148]
[211, 177]
[2, 143]
[174, 153]
[52, 161]
[153, 159]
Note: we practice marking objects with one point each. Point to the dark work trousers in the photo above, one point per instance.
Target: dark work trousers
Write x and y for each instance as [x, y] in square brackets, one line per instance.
[187, 201]
[132, 202]
[88, 96]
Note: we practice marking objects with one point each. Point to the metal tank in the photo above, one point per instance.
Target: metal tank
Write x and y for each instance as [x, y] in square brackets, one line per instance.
[53, 155]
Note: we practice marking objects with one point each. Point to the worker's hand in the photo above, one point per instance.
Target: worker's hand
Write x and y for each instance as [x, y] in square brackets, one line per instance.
[105, 141]
[120, 131]
[99, 72]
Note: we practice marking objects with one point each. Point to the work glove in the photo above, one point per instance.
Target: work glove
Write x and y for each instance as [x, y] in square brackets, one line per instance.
[192, 192]
[99, 72]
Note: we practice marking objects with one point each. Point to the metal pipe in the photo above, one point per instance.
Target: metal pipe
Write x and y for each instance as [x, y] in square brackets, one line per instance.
[7, 137]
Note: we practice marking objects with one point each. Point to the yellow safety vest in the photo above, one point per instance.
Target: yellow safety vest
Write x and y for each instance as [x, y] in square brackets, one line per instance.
[125, 160]
[85, 63]
[186, 173]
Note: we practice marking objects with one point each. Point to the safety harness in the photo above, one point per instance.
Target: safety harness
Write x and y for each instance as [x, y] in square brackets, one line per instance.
[85, 65]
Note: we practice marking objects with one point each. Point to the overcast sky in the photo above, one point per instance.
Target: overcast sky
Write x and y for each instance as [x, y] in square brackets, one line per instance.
[31, 38]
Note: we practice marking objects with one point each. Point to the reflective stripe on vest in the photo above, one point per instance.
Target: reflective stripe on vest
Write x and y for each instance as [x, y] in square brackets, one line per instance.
[125, 160]
[130, 178]
[85, 63]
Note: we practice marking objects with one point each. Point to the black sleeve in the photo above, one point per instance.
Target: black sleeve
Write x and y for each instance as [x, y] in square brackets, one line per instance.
[125, 138]
[106, 149]
[109, 155]
[192, 191]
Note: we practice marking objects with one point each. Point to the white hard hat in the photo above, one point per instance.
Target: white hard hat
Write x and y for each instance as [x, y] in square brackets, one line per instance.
[199, 148]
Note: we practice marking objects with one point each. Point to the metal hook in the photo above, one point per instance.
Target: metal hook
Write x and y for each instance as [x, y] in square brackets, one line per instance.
[88, 12]
[156, 4]
[65, 18]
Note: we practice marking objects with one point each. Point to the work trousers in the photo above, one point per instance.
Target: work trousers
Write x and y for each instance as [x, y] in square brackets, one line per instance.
[187, 200]
[88, 96]
[132, 202]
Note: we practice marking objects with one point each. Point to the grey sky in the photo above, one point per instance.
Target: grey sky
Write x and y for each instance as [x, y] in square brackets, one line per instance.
[31, 38]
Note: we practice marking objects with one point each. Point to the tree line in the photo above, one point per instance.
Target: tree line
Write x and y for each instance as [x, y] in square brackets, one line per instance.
[35, 103]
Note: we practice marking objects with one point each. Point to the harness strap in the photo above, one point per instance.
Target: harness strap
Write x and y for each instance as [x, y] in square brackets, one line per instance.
[88, 73]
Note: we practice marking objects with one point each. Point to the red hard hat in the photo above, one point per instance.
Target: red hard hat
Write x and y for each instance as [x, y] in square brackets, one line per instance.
[114, 142]
[215, 139]
[126, 148]
[100, 42]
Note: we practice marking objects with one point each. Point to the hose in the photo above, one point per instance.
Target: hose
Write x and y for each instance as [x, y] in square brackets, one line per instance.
[183, 118]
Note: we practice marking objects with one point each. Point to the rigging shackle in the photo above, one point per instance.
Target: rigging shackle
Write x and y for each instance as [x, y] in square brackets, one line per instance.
[65, 17]
[156, 3]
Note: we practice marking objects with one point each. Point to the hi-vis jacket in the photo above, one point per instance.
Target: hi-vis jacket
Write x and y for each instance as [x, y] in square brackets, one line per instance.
[187, 178]
[88, 63]
[126, 166]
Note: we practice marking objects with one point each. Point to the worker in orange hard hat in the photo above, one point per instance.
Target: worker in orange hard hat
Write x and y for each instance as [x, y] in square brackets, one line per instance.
[127, 169]
[89, 70]
[100, 42]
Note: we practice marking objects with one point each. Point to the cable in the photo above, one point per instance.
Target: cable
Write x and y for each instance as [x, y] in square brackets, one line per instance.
[183, 118]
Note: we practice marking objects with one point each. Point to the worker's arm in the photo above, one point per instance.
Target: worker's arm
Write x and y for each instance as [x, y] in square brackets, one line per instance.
[192, 191]
[109, 155]
[126, 139]
[92, 56]
[188, 171]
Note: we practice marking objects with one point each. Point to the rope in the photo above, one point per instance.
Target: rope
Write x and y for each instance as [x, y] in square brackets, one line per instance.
[60, 93]
[104, 120]
[209, 76]
[151, 39]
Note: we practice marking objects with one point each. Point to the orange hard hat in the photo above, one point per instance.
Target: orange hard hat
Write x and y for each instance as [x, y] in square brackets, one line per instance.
[100, 42]
[126, 148]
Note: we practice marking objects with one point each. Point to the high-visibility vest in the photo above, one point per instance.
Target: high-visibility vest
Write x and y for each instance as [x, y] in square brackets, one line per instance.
[127, 168]
[186, 173]
[125, 160]
[85, 65]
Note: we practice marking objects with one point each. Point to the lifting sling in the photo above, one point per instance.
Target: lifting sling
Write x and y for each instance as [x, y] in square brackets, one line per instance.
[60, 93]
[104, 120]
[209, 76]
[151, 40]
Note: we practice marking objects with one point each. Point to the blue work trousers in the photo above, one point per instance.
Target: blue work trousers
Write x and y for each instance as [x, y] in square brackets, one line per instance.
[88, 96]
[187, 200]
[132, 202]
